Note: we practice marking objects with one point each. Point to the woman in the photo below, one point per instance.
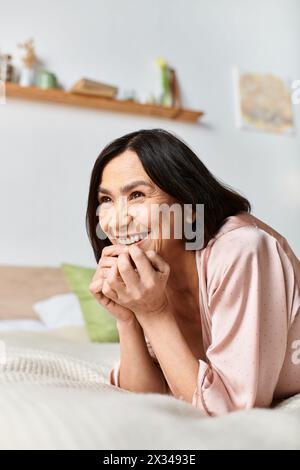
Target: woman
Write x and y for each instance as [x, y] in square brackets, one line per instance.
[218, 326]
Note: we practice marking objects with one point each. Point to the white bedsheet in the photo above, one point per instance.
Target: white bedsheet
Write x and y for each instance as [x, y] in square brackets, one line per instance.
[54, 394]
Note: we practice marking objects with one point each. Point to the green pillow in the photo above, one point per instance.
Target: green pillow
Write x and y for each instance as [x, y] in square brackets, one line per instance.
[100, 324]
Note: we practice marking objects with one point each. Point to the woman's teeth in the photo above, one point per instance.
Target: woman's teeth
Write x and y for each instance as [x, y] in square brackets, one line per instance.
[133, 239]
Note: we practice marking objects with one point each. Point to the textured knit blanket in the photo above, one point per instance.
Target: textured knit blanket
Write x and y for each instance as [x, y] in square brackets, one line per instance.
[54, 394]
[37, 366]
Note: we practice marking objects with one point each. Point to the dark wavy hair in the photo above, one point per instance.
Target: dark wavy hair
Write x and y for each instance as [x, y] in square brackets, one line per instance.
[174, 168]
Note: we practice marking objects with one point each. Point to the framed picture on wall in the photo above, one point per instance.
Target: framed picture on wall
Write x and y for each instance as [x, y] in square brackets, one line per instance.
[263, 102]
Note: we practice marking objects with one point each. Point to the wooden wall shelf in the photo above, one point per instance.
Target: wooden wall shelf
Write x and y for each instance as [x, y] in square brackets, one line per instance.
[71, 99]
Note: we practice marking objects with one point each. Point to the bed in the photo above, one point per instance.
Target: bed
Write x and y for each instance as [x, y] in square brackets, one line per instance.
[54, 394]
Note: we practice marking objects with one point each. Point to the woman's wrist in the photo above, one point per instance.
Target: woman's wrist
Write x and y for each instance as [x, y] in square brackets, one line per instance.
[160, 309]
[128, 324]
[150, 316]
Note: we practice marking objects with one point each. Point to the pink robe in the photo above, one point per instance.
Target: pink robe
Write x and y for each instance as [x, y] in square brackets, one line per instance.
[249, 291]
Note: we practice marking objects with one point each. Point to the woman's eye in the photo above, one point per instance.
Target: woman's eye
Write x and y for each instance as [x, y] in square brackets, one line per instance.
[103, 199]
[134, 195]
[137, 192]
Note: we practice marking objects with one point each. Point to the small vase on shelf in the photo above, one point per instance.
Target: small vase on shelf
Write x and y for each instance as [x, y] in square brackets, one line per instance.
[27, 77]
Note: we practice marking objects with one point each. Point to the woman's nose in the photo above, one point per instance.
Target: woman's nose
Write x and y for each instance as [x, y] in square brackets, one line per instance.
[122, 220]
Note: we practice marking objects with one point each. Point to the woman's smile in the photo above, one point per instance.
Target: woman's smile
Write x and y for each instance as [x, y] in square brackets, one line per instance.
[136, 239]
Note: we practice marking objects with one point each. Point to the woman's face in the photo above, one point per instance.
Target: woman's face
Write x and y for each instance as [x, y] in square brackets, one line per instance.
[126, 196]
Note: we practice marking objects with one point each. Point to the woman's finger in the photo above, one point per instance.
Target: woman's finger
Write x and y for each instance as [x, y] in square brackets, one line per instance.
[126, 270]
[108, 291]
[97, 275]
[158, 262]
[109, 256]
[96, 286]
[113, 275]
[105, 272]
[114, 250]
[104, 301]
[107, 261]
[141, 261]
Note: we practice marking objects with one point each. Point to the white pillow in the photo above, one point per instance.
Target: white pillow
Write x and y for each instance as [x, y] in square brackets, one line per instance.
[59, 310]
[53, 313]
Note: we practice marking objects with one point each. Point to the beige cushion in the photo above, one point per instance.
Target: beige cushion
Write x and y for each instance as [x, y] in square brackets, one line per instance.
[21, 287]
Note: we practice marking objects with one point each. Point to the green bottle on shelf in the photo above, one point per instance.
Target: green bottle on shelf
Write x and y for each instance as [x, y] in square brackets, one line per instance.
[166, 98]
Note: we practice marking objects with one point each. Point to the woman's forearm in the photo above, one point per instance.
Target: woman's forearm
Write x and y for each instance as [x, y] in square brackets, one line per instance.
[138, 372]
[178, 363]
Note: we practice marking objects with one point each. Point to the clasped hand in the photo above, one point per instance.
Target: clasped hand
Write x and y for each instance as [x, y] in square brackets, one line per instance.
[138, 286]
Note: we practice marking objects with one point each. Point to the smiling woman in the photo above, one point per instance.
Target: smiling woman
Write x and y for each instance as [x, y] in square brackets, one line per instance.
[213, 326]
[170, 172]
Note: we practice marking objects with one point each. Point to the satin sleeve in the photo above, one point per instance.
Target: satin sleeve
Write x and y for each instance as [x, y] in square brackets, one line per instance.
[249, 285]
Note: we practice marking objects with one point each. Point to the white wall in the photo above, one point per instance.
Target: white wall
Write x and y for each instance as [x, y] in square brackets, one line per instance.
[47, 151]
